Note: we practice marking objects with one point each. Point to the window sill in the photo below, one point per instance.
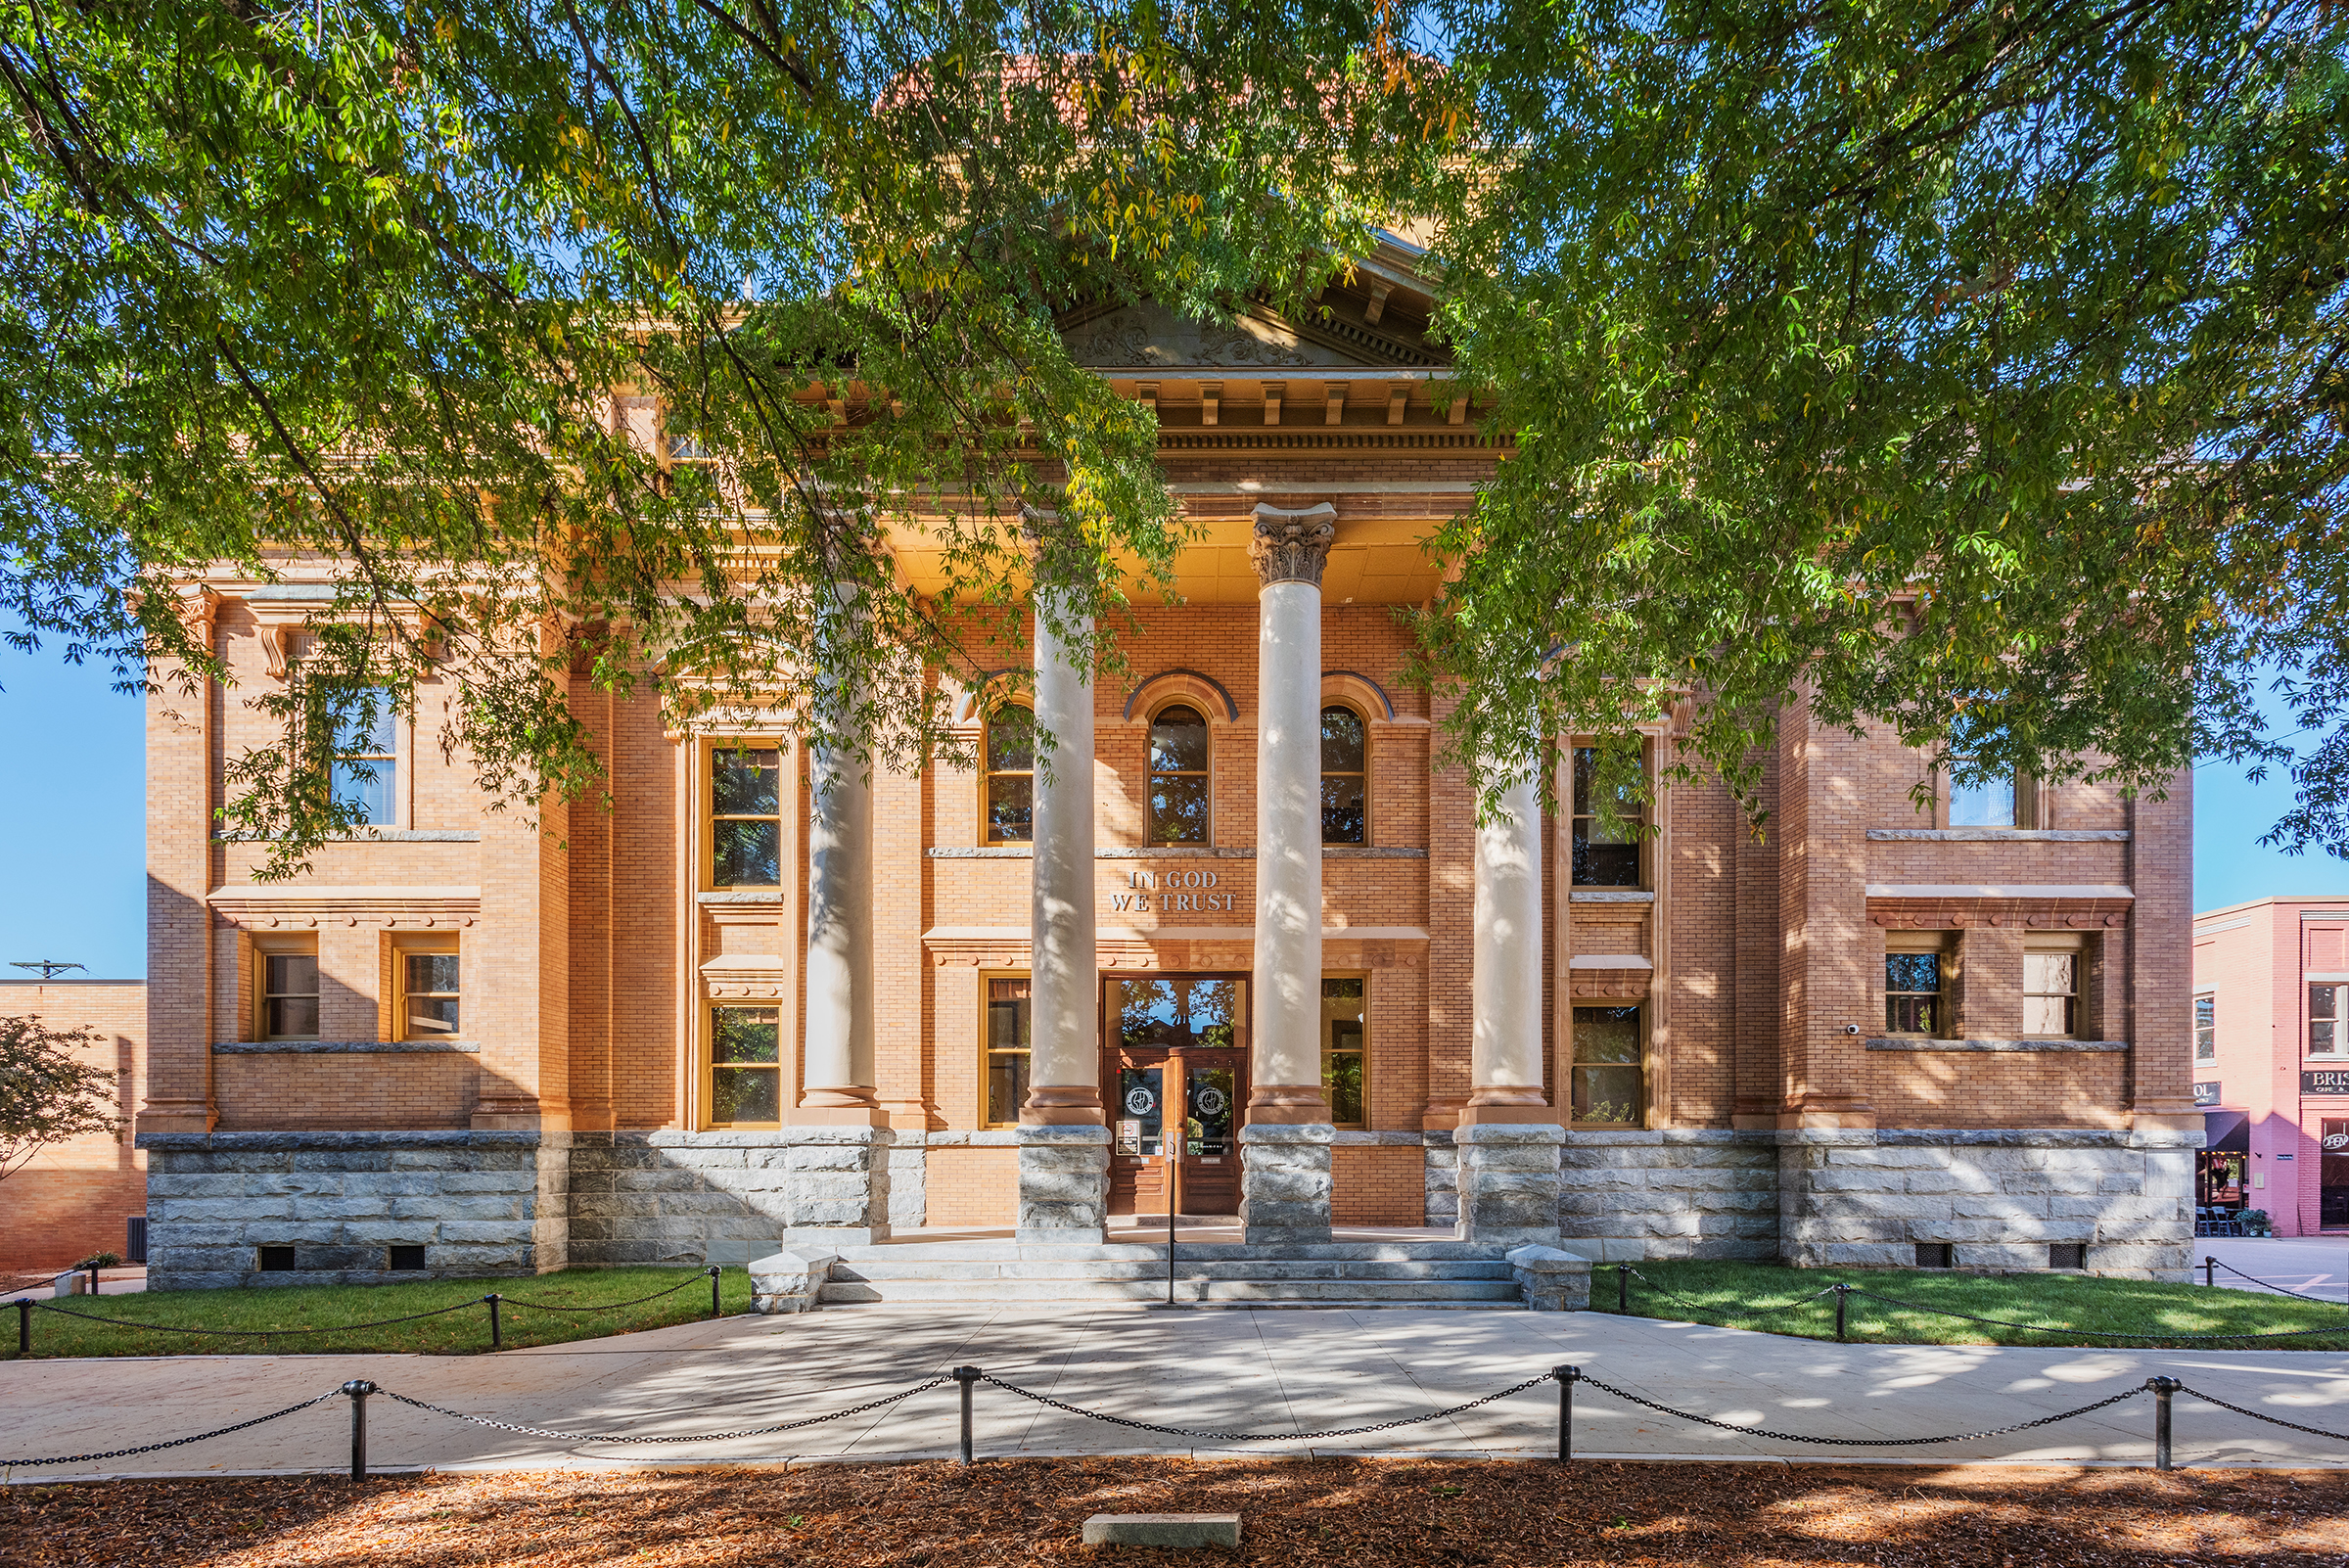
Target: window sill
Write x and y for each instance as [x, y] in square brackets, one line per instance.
[1611, 896]
[346, 1048]
[1927, 1042]
[1999, 834]
[1180, 852]
[386, 835]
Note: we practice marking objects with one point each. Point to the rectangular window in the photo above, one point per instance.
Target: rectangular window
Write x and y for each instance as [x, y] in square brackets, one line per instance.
[746, 1073]
[2050, 995]
[2206, 1029]
[1345, 1025]
[429, 995]
[1011, 776]
[1008, 1019]
[2333, 1173]
[1607, 1087]
[1606, 843]
[1913, 994]
[366, 767]
[2326, 1035]
[2002, 801]
[289, 996]
[746, 818]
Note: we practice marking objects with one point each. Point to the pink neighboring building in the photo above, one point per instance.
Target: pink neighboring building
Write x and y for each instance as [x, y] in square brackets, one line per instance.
[2272, 1060]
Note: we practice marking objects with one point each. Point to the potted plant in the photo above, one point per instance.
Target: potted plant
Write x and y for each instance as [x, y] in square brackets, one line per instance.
[2255, 1223]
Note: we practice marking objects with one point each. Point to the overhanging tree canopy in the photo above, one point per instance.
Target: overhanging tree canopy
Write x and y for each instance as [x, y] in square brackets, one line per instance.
[1975, 369]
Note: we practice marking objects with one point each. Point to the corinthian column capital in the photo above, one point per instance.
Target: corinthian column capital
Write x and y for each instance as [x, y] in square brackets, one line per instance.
[1292, 546]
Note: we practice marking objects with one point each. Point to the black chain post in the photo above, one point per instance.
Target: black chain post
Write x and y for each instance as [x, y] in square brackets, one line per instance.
[713, 1308]
[23, 1326]
[2210, 1272]
[1842, 1294]
[1623, 1287]
[359, 1389]
[496, 1336]
[93, 1279]
[2163, 1388]
[1567, 1377]
[968, 1377]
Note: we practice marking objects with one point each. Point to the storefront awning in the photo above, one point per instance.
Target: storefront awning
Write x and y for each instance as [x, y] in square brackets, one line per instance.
[2227, 1129]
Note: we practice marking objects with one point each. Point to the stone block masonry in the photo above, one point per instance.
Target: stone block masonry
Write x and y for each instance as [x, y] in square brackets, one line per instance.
[220, 1206]
[1672, 1193]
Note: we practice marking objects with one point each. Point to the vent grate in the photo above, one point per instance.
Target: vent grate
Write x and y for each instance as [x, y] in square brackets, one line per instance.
[2067, 1255]
[276, 1260]
[407, 1259]
[1936, 1255]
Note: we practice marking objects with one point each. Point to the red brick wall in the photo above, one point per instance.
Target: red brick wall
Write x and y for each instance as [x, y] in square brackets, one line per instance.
[1378, 1187]
[972, 1187]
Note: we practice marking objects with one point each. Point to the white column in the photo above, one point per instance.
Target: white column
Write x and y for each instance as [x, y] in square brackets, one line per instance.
[1284, 1147]
[1064, 1145]
[1290, 549]
[1510, 1137]
[838, 1032]
[1504, 1059]
[1064, 1050]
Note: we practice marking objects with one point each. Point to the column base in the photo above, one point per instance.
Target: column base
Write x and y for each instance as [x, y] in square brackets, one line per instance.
[1063, 1105]
[1508, 1178]
[1287, 1105]
[1507, 1107]
[1284, 1182]
[839, 1185]
[1064, 1183]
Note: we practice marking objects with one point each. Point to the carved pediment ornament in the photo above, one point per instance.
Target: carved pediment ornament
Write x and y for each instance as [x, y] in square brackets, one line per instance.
[1292, 546]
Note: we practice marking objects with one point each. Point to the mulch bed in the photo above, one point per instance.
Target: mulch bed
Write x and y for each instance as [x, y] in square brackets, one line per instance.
[1360, 1514]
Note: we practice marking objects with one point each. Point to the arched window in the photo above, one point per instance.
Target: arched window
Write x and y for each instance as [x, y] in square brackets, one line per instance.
[1179, 774]
[1345, 777]
[1010, 754]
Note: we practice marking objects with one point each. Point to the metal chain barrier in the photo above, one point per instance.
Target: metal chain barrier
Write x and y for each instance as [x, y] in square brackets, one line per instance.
[492, 1301]
[1863, 1443]
[255, 1333]
[2209, 1262]
[1259, 1437]
[175, 1443]
[610, 1306]
[2272, 1420]
[1723, 1311]
[690, 1436]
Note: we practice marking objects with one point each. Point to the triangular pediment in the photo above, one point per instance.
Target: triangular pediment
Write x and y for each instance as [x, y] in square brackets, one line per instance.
[1147, 335]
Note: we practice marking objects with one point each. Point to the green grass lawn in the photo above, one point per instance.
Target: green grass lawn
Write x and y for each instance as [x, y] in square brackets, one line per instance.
[1771, 1298]
[333, 1307]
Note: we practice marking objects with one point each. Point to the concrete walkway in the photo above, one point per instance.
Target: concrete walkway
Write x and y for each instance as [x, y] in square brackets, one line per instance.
[1260, 1371]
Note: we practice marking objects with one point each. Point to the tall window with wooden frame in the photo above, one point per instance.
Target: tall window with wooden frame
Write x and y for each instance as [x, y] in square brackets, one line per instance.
[1008, 1018]
[2003, 800]
[1180, 756]
[1915, 980]
[2051, 990]
[2206, 1028]
[1009, 807]
[428, 994]
[1607, 1081]
[365, 775]
[1345, 1035]
[746, 816]
[746, 1068]
[286, 1002]
[1606, 826]
[1344, 776]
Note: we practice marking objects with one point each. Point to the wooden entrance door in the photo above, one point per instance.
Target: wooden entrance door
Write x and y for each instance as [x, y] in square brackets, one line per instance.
[1175, 1066]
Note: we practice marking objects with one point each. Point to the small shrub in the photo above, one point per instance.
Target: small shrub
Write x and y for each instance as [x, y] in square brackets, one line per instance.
[100, 1260]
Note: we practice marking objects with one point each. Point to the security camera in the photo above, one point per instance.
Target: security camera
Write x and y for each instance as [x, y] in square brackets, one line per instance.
[1851, 1029]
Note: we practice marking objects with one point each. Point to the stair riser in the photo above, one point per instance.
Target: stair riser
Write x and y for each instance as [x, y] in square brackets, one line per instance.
[1411, 1294]
[1362, 1274]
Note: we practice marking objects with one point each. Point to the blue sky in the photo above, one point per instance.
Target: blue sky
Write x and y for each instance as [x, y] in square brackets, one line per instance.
[73, 781]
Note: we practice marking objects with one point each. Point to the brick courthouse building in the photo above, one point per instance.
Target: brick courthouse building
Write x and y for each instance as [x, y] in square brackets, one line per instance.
[728, 1013]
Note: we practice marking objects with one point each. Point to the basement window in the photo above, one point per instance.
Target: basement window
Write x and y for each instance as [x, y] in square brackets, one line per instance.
[276, 1260]
[2067, 1255]
[1936, 1255]
[407, 1259]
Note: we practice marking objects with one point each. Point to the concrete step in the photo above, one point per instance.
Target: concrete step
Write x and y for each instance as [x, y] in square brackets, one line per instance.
[1354, 1294]
[1184, 1251]
[876, 1268]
